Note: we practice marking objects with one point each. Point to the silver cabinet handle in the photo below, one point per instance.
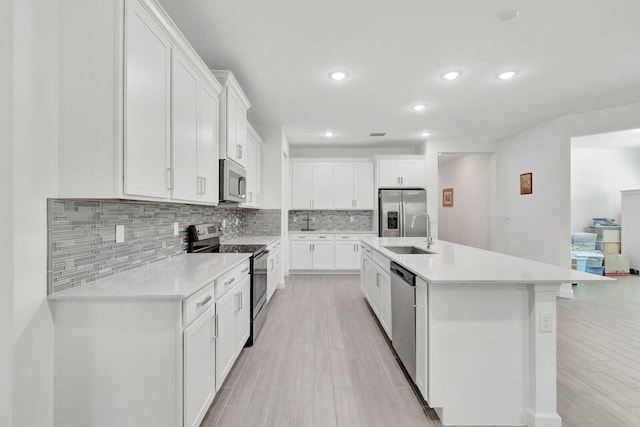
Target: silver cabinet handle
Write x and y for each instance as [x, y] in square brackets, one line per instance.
[310, 205]
[246, 270]
[204, 301]
[344, 237]
[322, 237]
[230, 281]
[402, 180]
[251, 196]
[241, 301]
[204, 185]
[215, 326]
[398, 180]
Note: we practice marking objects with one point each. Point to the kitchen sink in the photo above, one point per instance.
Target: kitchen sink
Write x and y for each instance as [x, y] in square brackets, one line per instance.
[408, 250]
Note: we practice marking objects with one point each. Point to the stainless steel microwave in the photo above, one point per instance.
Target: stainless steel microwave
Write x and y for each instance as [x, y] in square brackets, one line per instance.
[233, 182]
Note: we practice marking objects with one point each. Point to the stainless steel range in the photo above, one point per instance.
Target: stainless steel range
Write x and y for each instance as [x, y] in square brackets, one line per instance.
[205, 238]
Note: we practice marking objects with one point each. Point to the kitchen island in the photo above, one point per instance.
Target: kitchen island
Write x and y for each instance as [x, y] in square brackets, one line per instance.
[485, 329]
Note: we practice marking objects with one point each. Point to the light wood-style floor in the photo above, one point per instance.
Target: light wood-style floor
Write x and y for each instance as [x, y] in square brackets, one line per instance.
[322, 361]
[599, 355]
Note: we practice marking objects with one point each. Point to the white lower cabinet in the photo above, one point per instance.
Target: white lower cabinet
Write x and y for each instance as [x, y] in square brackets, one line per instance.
[233, 323]
[376, 280]
[274, 268]
[199, 368]
[422, 343]
[326, 252]
[148, 361]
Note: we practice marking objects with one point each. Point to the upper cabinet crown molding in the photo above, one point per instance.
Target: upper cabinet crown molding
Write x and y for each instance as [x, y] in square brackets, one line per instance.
[226, 78]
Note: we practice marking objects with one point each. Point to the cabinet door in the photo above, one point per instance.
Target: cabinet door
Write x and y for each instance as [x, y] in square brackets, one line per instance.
[147, 101]
[243, 314]
[322, 186]
[241, 141]
[208, 145]
[231, 124]
[259, 159]
[346, 255]
[184, 129]
[271, 275]
[374, 288]
[363, 187]
[301, 256]
[323, 255]
[363, 276]
[388, 175]
[225, 344]
[252, 170]
[343, 175]
[422, 354]
[301, 185]
[412, 173]
[199, 368]
[384, 281]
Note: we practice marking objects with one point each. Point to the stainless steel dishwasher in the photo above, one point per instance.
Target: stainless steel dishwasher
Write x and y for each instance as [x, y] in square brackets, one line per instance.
[403, 316]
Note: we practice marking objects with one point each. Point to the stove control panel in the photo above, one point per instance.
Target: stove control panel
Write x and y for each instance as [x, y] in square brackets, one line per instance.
[206, 231]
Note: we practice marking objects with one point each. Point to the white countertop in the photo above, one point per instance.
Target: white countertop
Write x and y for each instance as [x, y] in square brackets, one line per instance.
[453, 263]
[332, 232]
[252, 240]
[176, 278]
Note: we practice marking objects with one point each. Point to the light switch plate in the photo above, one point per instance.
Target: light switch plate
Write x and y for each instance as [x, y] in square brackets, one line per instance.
[119, 233]
[176, 228]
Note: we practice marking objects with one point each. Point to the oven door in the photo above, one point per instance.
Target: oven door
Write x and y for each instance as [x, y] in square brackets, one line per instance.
[259, 282]
[233, 182]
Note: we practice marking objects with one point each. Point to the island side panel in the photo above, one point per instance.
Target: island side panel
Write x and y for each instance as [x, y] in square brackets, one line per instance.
[117, 362]
[479, 353]
[543, 397]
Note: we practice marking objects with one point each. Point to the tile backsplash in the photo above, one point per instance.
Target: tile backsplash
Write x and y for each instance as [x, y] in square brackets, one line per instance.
[332, 220]
[82, 244]
[264, 222]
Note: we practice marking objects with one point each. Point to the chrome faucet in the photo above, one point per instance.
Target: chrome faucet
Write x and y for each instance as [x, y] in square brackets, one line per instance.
[428, 218]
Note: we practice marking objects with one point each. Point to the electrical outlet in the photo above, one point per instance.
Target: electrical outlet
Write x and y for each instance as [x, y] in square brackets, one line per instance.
[546, 322]
[224, 223]
[176, 228]
[295, 219]
[237, 222]
[119, 233]
[350, 218]
[313, 219]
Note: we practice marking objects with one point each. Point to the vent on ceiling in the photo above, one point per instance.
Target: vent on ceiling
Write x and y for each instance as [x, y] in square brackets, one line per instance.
[377, 134]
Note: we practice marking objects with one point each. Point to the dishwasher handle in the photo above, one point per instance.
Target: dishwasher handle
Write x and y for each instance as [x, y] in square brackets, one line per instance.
[404, 274]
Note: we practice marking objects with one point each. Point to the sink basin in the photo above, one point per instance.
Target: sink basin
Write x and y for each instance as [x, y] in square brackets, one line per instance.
[408, 250]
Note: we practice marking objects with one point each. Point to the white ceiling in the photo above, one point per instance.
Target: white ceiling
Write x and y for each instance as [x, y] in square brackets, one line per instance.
[573, 56]
[622, 139]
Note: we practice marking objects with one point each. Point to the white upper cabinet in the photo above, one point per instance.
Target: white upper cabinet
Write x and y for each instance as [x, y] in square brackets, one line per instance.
[254, 168]
[322, 186]
[137, 106]
[233, 118]
[353, 185]
[208, 165]
[147, 106]
[332, 185]
[184, 130]
[401, 173]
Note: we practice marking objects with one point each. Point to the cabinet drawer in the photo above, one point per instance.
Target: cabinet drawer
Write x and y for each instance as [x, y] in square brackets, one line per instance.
[302, 237]
[196, 304]
[382, 261]
[317, 237]
[274, 246]
[231, 278]
[323, 237]
[342, 237]
[366, 250]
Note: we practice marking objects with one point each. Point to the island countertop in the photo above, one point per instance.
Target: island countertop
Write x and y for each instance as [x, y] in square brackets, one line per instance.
[176, 278]
[454, 263]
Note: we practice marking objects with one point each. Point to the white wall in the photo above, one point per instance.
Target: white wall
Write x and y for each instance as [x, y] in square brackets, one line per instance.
[272, 172]
[432, 149]
[539, 225]
[6, 212]
[34, 178]
[597, 177]
[298, 151]
[468, 222]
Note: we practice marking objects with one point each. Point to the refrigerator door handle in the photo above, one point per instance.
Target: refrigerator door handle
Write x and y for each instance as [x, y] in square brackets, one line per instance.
[401, 218]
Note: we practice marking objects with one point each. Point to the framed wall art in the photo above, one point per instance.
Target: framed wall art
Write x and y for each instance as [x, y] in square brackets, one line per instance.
[526, 183]
[447, 197]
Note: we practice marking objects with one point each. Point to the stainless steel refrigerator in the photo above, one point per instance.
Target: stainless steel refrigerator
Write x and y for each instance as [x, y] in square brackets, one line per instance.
[402, 213]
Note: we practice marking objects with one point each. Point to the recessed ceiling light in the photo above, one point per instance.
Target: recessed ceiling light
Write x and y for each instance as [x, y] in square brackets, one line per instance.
[452, 75]
[419, 107]
[328, 134]
[508, 14]
[507, 75]
[338, 75]
[425, 133]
